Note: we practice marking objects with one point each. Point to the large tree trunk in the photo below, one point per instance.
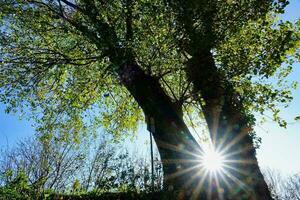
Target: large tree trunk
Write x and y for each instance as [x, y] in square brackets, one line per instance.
[230, 128]
[177, 147]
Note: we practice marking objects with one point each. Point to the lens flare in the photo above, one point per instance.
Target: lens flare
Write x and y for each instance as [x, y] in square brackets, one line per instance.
[212, 160]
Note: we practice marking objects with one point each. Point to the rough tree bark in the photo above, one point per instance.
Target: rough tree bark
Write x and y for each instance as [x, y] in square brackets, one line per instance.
[230, 127]
[175, 143]
[177, 147]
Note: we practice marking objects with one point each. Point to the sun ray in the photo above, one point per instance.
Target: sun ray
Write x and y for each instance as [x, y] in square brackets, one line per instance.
[181, 172]
[210, 186]
[232, 153]
[224, 138]
[179, 148]
[224, 179]
[180, 161]
[241, 161]
[235, 140]
[235, 169]
[242, 185]
[199, 173]
[215, 124]
[220, 172]
[212, 160]
[199, 186]
[214, 167]
[220, 190]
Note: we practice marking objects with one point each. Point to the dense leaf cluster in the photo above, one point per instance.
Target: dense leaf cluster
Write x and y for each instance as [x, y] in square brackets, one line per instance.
[59, 58]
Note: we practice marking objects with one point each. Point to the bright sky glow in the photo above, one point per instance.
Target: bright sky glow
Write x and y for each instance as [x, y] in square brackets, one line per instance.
[212, 160]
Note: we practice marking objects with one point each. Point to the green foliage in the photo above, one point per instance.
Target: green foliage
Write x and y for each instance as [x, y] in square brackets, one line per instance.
[162, 195]
[59, 61]
[60, 74]
[297, 118]
[16, 189]
[259, 71]
[76, 186]
[99, 166]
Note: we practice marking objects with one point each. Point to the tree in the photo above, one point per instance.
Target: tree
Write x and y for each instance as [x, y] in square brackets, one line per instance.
[275, 182]
[52, 165]
[291, 187]
[99, 166]
[224, 107]
[17, 188]
[286, 188]
[83, 64]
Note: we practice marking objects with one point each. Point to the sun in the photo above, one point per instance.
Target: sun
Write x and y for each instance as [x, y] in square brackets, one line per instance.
[212, 160]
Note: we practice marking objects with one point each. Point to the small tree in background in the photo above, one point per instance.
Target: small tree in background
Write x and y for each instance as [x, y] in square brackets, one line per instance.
[51, 165]
[99, 167]
[292, 188]
[283, 187]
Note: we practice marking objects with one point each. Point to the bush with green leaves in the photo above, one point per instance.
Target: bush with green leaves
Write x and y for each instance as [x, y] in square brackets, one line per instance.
[62, 167]
[17, 187]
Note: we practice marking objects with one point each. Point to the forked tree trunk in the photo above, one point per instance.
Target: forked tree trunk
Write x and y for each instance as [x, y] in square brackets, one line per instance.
[177, 147]
[230, 128]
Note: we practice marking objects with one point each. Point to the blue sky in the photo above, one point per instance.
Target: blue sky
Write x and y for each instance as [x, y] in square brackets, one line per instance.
[280, 148]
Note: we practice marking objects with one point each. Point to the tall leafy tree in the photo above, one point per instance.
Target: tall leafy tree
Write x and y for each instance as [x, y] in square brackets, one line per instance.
[79, 65]
[217, 75]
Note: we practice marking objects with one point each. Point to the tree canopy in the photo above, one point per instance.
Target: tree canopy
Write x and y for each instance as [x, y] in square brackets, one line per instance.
[54, 55]
[63, 61]
[57, 56]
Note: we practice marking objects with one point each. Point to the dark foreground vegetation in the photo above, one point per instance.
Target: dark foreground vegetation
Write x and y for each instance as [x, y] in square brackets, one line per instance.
[99, 170]
[91, 170]
[35, 169]
[20, 190]
[93, 196]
